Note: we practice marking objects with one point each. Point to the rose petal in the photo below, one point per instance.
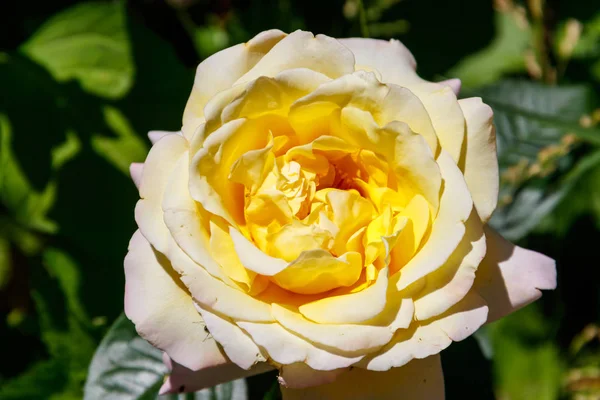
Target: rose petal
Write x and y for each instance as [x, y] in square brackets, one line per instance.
[220, 71]
[448, 227]
[481, 161]
[391, 58]
[284, 347]
[216, 295]
[303, 50]
[362, 90]
[158, 166]
[155, 136]
[345, 337]
[350, 308]
[397, 66]
[300, 375]
[432, 336]
[169, 321]
[454, 84]
[418, 380]
[182, 379]
[238, 346]
[450, 283]
[253, 258]
[511, 277]
[186, 221]
[135, 170]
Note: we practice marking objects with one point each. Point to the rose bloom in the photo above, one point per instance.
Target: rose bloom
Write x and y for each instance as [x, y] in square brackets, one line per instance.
[323, 211]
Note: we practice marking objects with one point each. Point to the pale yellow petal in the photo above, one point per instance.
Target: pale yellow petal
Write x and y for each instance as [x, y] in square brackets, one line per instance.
[448, 227]
[221, 70]
[350, 308]
[301, 49]
[158, 167]
[481, 161]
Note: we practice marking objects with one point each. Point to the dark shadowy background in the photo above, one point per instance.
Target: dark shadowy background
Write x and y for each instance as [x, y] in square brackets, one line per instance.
[81, 83]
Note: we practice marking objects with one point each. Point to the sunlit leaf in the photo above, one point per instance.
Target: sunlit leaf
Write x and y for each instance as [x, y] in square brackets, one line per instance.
[126, 148]
[87, 42]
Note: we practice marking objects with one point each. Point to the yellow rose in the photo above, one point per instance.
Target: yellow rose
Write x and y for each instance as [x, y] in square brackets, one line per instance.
[323, 212]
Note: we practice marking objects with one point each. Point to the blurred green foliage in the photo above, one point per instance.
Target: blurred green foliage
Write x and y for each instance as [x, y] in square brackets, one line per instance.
[82, 83]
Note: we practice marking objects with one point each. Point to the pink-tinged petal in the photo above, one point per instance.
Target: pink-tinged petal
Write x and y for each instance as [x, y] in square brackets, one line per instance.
[481, 161]
[159, 165]
[418, 380]
[162, 311]
[135, 170]
[238, 346]
[155, 136]
[220, 71]
[182, 379]
[454, 84]
[449, 284]
[300, 375]
[511, 277]
[430, 337]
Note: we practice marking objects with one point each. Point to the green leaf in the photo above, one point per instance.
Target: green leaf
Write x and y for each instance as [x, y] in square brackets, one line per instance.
[504, 55]
[582, 199]
[36, 383]
[532, 120]
[63, 321]
[589, 43]
[126, 148]
[527, 363]
[87, 42]
[125, 365]
[28, 206]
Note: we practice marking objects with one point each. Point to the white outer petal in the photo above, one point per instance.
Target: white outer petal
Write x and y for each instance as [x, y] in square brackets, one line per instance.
[168, 320]
[284, 347]
[238, 346]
